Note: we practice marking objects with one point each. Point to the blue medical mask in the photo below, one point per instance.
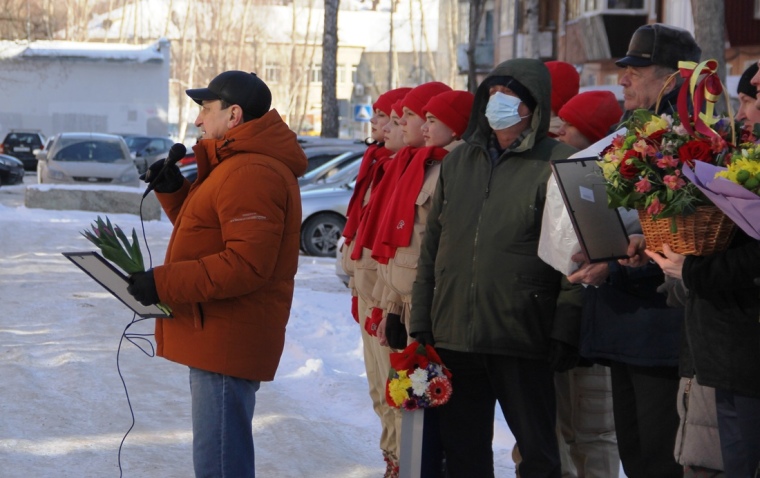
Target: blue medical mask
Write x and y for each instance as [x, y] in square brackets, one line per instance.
[501, 111]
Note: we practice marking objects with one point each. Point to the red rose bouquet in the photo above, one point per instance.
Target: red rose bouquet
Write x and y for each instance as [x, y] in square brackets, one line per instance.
[417, 379]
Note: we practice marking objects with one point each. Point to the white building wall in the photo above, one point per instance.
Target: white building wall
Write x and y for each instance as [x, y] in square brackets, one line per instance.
[64, 89]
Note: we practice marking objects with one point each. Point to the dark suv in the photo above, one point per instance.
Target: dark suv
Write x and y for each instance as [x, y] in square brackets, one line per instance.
[21, 144]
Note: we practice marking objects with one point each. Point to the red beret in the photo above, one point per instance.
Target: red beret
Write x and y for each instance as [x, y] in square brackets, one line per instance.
[593, 113]
[565, 83]
[385, 101]
[416, 99]
[452, 108]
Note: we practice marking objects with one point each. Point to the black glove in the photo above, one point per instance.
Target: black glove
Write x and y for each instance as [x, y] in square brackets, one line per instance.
[170, 181]
[395, 332]
[562, 356]
[424, 338]
[142, 286]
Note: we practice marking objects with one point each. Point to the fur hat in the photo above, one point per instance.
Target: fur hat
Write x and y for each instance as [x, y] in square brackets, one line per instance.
[416, 99]
[660, 44]
[237, 88]
[565, 83]
[385, 101]
[744, 85]
[452, 108]
[593, 113]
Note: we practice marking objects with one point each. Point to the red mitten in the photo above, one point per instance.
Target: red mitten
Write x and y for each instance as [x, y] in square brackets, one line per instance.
[355, 308]
[373, 321]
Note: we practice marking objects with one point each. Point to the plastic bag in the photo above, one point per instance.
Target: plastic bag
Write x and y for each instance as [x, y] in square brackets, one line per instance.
[558, 241]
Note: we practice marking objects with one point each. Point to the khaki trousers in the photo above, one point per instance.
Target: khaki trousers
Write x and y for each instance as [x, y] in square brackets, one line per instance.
[377, 364]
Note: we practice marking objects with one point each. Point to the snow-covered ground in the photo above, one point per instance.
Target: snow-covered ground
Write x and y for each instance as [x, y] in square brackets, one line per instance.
[63, 410]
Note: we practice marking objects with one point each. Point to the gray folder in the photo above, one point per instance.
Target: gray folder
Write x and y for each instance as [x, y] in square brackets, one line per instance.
[600, 230]
[113, 280]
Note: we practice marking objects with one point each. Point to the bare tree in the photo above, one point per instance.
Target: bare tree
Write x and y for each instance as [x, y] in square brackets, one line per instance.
[477, 11]
[330, 123]
[531, 16]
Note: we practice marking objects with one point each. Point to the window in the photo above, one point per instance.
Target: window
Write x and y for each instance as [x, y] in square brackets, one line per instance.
[272, 73]
[316, 73]
[340, 74]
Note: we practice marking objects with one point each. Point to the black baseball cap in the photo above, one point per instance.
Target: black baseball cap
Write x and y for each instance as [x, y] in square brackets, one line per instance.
[660, 44]
[237, 88]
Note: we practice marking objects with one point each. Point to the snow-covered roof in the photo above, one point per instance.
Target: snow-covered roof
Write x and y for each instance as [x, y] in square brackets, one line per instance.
[84, 50]
[358, 25]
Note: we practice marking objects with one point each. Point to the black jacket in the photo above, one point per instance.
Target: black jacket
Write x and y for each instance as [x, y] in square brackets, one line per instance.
[626, 320]
[722, 312]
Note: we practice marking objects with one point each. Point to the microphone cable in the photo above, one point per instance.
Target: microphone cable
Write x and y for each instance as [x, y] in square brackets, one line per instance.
[145, 346]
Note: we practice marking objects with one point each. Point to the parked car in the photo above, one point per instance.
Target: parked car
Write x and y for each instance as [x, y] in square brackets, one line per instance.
[21, 144]
[328, 170]
[11, 170]
[346, 175]
[189, 171]
[323, 215]
[87, 158]
[319, 155]
[323, 219]
[146, 150]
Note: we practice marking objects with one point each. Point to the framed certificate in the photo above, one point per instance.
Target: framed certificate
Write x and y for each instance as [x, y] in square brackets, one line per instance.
[601, 233]
[113, 280]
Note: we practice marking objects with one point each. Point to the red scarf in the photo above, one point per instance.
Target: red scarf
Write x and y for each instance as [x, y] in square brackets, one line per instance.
[382, 189]
[397, 223]
[375, 155]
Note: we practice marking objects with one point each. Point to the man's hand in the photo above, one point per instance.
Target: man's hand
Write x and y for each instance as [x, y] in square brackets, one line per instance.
[562, 356]
[395, 332]
[636, 256]
[591, 274]
[142, 286]
[170, 181]
[424, 338]
[670, 262]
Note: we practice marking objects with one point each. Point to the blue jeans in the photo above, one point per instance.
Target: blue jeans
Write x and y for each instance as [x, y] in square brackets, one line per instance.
[222, 411]
[739, 430]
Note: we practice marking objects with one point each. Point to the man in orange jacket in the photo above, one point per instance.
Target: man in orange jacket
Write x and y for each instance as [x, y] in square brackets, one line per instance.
[230, 264]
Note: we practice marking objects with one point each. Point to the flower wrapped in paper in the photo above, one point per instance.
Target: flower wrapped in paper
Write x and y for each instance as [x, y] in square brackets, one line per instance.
[115, 246]
[417, 379]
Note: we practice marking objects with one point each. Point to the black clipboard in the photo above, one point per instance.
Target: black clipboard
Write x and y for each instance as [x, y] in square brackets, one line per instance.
[600, 230]
[113, 280]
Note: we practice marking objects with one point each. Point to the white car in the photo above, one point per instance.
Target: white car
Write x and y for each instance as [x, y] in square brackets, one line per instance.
[86, 158]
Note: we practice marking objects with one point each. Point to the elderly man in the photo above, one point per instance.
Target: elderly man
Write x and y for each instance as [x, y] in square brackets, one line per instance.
[626, 321]
[501, 319]
[230, 264]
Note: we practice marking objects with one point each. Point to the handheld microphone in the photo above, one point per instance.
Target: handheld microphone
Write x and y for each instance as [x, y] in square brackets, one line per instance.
[176, 153]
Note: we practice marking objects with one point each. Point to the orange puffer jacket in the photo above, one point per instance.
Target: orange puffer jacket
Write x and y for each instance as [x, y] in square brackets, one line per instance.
[230, 264]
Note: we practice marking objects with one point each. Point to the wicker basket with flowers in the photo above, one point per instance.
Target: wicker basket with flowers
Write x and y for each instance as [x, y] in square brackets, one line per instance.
[643, 168]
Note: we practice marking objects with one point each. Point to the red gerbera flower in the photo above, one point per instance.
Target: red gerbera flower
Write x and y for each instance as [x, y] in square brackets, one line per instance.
[439, 391]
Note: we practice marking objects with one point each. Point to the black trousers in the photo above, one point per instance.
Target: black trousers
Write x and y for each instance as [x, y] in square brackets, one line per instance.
[646, 419]
[525, 391]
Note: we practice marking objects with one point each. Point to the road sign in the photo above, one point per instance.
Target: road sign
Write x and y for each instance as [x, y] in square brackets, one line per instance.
[362, 113]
